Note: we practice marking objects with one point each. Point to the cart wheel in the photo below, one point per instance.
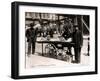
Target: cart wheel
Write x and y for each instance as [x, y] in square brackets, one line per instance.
[50, 50]
[59, 54]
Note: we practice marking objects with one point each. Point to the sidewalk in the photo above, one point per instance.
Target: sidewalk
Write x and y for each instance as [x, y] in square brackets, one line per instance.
[37, 60]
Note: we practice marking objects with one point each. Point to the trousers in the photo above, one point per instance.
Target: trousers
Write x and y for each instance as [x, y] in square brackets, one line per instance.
[77, 54]
[31, 46]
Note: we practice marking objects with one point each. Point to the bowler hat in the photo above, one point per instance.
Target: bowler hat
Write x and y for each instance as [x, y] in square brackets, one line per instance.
[76, 25]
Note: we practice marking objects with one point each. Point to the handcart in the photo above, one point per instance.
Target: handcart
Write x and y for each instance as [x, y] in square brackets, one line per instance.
[57, 48]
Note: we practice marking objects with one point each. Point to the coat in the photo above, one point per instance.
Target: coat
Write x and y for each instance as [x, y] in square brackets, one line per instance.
[31, 35]
[77, 38]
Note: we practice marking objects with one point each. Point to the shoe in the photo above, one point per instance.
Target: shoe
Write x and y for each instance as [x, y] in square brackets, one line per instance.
[32, 53]
[74, 62]
[28, 55]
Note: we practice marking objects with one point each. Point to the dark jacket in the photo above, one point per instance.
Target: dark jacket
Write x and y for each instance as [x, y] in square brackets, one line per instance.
[66, 35]
[31, 35]
[77, 38]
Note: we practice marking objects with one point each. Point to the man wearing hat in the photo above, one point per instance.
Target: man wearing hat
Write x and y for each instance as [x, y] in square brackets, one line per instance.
[31, 38]
[78, 41]
[67, 31]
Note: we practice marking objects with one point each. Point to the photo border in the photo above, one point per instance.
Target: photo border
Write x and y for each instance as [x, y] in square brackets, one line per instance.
[15, 39]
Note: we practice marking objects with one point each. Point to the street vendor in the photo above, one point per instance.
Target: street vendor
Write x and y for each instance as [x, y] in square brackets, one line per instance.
[67, 32]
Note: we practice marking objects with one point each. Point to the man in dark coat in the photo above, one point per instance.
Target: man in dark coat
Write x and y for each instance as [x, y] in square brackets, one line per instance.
[51, 32]
[68, 29]
[67, 33]
[31, 39]
[78, 41]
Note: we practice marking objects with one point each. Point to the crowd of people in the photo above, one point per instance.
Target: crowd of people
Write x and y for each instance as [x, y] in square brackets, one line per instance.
[66, 29]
